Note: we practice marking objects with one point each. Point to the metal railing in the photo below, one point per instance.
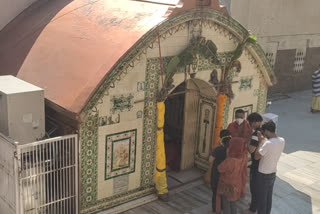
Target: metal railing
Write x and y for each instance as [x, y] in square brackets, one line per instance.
[48, 176]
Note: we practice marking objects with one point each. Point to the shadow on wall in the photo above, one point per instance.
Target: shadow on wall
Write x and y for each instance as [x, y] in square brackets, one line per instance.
[18, 37]
[287, 199]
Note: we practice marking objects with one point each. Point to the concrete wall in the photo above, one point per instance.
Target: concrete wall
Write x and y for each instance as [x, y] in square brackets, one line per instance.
[277, 17]
[7, 177]
[285, 29]
[9, 9]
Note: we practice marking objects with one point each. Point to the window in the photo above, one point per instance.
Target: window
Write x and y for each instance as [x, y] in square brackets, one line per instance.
[270, 57]
[299, 62]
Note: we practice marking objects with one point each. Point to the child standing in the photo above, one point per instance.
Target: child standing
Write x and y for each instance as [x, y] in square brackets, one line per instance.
[217, 157]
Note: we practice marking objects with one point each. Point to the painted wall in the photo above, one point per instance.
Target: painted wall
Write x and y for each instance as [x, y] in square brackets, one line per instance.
[118, 135]
[277, 17]
[282, 25]
[11, 8]
[8, 176]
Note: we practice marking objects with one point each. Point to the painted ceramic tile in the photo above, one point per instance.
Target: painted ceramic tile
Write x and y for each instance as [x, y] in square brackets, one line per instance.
[120, 154]
[247, 109]
[245, 83]
[121, 103]
[141, 86]
[109, 120]
[139, 114]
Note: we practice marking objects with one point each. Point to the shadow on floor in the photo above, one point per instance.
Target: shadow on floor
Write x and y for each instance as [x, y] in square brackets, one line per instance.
[196, 199]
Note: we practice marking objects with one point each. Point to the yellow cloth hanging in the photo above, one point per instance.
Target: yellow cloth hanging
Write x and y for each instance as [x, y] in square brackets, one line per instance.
[160, 176]
[315, 103]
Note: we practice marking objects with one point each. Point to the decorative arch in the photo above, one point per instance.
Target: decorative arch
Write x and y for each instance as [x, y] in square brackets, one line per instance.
[204, 16]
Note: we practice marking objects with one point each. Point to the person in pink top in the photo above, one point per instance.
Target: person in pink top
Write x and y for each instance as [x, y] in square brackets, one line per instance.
[241, 128]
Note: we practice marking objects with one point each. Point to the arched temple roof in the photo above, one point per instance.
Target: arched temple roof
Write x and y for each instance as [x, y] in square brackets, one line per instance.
[69, 47]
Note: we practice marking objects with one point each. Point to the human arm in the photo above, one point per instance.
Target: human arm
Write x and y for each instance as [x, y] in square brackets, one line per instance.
[226, 166]
[251, 149]
[214, 155]
[254, 143]
[258, 154]
[211, 160]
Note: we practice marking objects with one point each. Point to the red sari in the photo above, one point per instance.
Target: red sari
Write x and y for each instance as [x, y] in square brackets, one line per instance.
[243, 131]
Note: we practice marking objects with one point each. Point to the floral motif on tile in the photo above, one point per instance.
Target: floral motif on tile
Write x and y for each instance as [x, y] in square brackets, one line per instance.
[245, 83]
[262, 97]
[149, 122]
[226, 114]
[121, 103]
[120, 154]
[88, 161]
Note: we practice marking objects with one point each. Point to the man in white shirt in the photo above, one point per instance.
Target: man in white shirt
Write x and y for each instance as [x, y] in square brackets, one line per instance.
[268, 152]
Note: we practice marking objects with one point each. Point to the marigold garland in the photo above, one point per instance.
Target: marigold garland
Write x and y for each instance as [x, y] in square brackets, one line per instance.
[222, 99]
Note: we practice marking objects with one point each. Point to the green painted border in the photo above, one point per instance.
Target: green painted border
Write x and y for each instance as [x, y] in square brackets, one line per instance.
[241, 107]
[262, 97]
[226, 114]
[106, 154]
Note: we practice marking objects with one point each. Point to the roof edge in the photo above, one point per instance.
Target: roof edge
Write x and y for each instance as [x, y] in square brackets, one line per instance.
[128, 58]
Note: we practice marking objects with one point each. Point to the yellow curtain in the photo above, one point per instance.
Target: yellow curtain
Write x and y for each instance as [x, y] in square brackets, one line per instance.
[160, 172]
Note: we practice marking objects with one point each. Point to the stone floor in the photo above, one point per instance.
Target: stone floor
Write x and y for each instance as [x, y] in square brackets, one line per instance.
[297, 187]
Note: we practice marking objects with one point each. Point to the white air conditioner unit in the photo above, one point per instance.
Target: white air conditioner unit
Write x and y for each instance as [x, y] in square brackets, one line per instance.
[22, 116]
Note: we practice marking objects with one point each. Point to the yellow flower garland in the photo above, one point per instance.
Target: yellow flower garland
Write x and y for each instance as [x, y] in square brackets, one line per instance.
[222, 99]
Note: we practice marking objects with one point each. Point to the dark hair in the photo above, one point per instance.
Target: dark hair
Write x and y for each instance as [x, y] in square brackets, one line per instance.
[225, 133]
[269, 126]
[254, 117]
[240, 111]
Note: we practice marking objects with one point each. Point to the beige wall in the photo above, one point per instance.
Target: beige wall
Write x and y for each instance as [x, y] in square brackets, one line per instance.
[9, 9]
[128, 121]
[282, 25]
[277, 17]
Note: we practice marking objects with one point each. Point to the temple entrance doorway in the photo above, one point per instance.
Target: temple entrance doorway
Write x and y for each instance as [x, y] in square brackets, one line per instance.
[189, 127]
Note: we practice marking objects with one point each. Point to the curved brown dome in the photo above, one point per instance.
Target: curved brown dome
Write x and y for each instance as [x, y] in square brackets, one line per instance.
[67, 47]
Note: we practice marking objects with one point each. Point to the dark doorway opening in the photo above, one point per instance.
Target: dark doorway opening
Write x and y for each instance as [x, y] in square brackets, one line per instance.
[173, 128]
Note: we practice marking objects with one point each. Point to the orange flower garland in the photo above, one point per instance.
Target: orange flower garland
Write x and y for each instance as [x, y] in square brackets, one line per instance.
[222, 99]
